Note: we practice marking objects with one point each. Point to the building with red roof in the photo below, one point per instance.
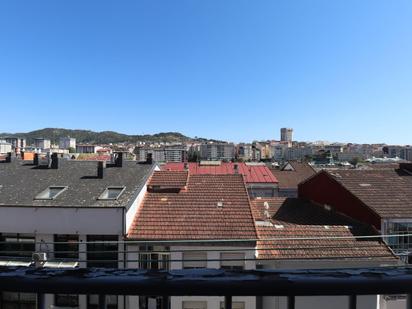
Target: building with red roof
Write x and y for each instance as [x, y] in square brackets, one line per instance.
[259, 180]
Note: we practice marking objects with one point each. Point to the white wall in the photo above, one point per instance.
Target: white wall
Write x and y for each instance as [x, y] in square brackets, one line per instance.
[61, 220]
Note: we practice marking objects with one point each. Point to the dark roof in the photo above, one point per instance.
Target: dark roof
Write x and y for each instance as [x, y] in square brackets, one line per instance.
[289, 179]
[388, 192]
[295, 218]
[195, 213]
[21, 182]
[252, 173]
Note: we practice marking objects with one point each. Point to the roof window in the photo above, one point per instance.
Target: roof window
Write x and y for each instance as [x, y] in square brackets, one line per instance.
[111, 193]
[51, 193]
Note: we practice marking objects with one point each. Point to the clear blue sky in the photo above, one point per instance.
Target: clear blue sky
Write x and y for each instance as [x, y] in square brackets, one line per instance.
[336, 70]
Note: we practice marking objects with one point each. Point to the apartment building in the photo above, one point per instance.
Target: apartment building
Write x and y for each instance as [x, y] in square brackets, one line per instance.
[177, 153]
[5, 147]
[16, 142]
[67, 142]
[87, 148]
[67, 213]
[286, 134]
[42, 143]
[217, 151]
[258, 178]
[202, 212]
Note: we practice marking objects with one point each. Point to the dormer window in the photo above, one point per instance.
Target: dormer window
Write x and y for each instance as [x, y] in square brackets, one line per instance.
[111, 193]
[51, 193]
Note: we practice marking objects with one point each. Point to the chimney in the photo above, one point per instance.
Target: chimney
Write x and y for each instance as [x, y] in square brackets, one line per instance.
[149, 158]
[101, 165]
[186, 166]
[406, 167]
[236, 168]
[119, 159]
[8, 158]
[54, 161]
[22, 155]
[36, 159]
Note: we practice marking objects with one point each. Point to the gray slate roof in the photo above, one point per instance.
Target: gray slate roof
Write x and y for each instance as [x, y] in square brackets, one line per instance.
[20, 182]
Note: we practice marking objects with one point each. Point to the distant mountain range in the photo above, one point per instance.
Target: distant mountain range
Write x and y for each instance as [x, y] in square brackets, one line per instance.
[105, 137]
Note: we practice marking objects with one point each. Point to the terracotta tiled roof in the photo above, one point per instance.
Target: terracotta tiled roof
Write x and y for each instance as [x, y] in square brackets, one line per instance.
[252, 173]
[170, 179]
[388, 192]
[291, 179]
[212, 207]
[294, 218]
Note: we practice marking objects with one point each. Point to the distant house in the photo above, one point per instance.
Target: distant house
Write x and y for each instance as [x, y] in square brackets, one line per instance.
[379, 197]
[297, 234]
[87, 148]
[290, 175]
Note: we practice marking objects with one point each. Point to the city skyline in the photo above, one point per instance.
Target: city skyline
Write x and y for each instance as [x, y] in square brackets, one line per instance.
[232, 71]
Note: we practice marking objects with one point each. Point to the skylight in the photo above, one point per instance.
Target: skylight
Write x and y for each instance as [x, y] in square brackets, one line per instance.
[111, 193]
[51, 193]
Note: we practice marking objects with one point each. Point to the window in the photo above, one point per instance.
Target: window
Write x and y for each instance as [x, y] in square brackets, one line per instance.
[153, 302]
[156, 260]
[93, 301]
[17, 245]
[235, 305]
[232, 260]
[51, 193]
[111, 193]
[194, 259]
[66, 300]
[103, 253]
[194, 305]
[66, 247]
[13, 300]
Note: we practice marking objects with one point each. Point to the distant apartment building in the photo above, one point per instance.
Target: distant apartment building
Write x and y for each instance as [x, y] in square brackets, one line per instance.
[67, 143]
[5, 147]
[217, 151]
[334, 148]
[392, 151]
[87, 148]
[42, 143]
[407, 154]
[176, 153]
[16, 142]
[245, 152]
[286, 134]
[297, 153]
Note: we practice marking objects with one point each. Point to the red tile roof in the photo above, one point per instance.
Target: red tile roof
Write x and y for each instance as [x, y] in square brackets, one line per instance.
[388, 192]
[294, 218]
[252, 173]
[290, 179]
[212, 207]
[169, 179]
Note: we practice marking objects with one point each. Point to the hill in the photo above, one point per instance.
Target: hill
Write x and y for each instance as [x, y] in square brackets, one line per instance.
[105, 137]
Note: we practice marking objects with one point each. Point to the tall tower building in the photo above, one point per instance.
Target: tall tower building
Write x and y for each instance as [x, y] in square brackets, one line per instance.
[286, 134]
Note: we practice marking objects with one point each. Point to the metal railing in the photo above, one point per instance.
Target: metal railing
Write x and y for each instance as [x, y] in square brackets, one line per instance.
[209, 282]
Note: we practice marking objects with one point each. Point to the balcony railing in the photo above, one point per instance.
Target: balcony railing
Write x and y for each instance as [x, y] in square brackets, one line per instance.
[208, 282]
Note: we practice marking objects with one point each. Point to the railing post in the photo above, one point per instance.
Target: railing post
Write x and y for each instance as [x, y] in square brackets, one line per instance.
[228, 302]
[165, 302]
[409, 301]
[352, 301]
[291, 302]
[102, 302]
[41, 301]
